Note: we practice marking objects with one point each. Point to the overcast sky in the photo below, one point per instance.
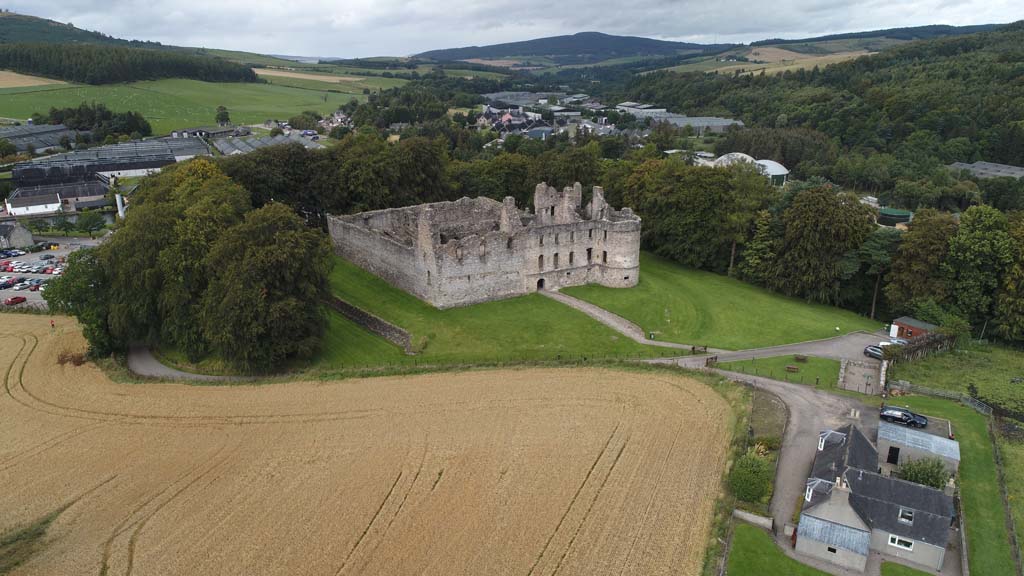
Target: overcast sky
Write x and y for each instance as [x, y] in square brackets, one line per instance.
[351, 28]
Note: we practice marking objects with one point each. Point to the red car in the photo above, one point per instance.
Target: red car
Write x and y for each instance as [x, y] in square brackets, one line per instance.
[14, 300]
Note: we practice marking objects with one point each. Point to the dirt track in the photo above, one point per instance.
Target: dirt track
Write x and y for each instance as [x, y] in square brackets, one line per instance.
[517, 472]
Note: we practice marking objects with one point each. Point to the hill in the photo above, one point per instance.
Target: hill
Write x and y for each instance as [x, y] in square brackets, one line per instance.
[21, 28]
[905, 34]
[572, 49]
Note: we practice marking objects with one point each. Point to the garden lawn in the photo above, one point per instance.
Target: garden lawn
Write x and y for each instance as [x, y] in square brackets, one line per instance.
[987, 366]
[1013, 472]
[893, 569]
[754, 553]
[987, 538]
[176, 103]
[701, 308]
[526, 328]
[825, 370]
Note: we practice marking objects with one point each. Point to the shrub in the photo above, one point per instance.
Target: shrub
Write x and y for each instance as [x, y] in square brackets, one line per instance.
[927, 471]
[750, 478]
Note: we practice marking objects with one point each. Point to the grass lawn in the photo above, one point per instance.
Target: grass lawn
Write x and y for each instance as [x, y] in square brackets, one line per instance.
[694, 307]
[825, 370]
[987, 537]
[893, 569]
[176, 103]
[988, 367]
[526, 328]
[754, 553]
[1013, 473]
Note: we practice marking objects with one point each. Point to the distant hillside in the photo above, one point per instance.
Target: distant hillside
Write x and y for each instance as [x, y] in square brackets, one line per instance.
[21, 28]
[913, 33]
[577, 48]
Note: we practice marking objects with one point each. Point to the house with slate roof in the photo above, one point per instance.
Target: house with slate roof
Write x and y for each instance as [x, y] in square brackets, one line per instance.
[850, 509]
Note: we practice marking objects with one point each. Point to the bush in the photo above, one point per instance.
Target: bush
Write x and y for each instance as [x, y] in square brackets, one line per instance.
[773, 443]
[751, 478]
[927, 471]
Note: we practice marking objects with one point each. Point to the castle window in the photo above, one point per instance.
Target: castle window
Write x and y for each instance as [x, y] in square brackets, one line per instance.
[572, 237]
[428, 277]
[552, 210]
[604, 257]
[556, 261]
[590, 233]
[605, 234]
[556, 239]
[590, 255]
[540, 262]
[570, 258]
[508, 244]
[541, 239]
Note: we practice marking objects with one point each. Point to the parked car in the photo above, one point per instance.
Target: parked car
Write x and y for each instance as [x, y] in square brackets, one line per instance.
[22, 286]
[47, 257]
[899, 341]
[14, 300]
[902, 416]
[874, 352]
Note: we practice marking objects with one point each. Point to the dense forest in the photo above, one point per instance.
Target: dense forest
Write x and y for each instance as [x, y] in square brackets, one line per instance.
[98, 64]
[908, 33]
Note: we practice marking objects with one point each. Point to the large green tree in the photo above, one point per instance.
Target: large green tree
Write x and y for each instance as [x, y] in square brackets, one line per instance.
[979, 254]
[916, 271]
[83, 291]
[877, 254]
[1009, 310]
[268, 278]
[821, 226]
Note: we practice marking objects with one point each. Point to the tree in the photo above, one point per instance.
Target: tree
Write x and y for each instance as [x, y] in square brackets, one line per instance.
[916, 269]
[82, 292]
[62, 223]
[6, 148]
[759, 255]
[979, 253]
[876, 254]
[1009, 311]
[223, 116]
[926, 471]
[90, 222]
[268, 277]
[276, 131]
[750, 478]
[749, 192]
[821, 227]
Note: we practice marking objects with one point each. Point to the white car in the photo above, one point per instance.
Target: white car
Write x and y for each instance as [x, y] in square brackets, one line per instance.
[22, 286]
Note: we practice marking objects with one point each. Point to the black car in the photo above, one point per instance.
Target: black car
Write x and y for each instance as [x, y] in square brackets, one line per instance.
[874, 352]
[902, 416]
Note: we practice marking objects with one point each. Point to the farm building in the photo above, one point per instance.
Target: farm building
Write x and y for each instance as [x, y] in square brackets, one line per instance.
[900, 444]
[989, 169]
[209, 132]
[14, 235]
[72, 196]
[233, 146]
[41, 138]
[849, 509]
[907, 327]
[121, 160]
[775, 172]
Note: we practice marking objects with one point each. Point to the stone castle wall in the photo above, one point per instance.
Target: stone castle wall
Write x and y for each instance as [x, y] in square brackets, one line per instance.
[469, 251]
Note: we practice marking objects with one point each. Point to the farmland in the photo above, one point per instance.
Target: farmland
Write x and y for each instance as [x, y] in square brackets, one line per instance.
[527, 472]
[172, 104]
[696, 307]
[10, 79]
[770, 59]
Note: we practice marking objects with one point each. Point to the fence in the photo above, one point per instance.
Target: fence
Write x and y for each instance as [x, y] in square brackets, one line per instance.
[905, 386]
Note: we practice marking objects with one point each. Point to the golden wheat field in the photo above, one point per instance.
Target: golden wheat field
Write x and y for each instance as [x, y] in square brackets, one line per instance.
[520, 472]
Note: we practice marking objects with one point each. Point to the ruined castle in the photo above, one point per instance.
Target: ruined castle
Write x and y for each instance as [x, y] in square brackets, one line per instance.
[474, 250]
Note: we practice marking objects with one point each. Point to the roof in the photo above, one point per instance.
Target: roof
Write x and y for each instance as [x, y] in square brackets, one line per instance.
[930, 443]
[843, 447]
[772, 168]
[97, 203]
[243, 145]
[915, 323]
[989, 169]
[878, 500]
[733, 158]
[39, 136]
[834, 534]
[71, 190]
[40, 200]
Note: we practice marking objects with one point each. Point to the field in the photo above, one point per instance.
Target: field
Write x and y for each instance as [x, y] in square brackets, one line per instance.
[526, 328]
[990, 368]
[1012, 451]
[176, 103]
[520, 472]
[770, 59]
[825, 371]
[10, 79]
[348, 84]
[694, 307]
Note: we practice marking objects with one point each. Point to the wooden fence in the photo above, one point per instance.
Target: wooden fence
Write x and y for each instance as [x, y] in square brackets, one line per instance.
[905, 386]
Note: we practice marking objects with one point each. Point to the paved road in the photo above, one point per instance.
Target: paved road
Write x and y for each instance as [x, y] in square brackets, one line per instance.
[142, 362]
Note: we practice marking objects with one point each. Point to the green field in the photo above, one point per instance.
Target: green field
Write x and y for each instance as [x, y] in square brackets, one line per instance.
[990, 368]
[695, 307]
[171, 104]
[754, 553]
[526, 328]
[822, 370]
[987, 538]
[372, 83]
[1013, 472]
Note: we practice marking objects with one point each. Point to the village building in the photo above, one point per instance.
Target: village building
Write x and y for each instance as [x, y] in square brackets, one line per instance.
[907, 327]
[474, 250]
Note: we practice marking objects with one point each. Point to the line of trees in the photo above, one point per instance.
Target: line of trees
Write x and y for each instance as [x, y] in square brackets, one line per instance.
[198, 268]
[100, 64]
[98, 120]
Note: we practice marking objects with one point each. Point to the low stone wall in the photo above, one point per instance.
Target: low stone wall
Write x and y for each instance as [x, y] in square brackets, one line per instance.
[766, 523]
[378, 326]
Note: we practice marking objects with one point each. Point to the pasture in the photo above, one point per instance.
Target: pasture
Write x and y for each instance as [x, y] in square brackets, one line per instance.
[574, 471]
[176, 103]
[822, 373]
[695, 307]
[770, 59]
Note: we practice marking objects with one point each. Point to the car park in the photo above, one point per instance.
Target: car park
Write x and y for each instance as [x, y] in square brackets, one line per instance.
[874, 352]
[47, 257]
[14, 300]
[903, 416]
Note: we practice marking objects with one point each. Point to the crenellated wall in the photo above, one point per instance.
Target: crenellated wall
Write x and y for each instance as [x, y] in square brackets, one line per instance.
[475, 250]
